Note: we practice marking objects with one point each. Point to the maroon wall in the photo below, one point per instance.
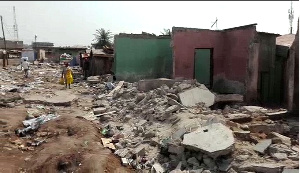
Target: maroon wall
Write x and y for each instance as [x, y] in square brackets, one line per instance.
[230, 54]
[185, 41]
[237, 42]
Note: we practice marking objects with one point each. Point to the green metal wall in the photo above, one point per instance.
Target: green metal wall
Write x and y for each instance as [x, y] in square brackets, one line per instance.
[270, 71]
[142, 58]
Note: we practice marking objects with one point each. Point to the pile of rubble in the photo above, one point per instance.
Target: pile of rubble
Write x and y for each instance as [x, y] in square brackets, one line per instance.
[165, 124]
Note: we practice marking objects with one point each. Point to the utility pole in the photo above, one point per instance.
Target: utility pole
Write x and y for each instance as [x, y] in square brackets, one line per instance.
[16, 32]
[4, 55]
[291, 17]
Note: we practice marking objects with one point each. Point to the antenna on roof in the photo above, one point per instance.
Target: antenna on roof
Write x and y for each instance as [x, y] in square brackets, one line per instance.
[16, 34]
[291, 17]
[215, 23]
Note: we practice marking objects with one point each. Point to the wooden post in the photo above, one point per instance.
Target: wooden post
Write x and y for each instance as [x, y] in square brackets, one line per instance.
[4, 43]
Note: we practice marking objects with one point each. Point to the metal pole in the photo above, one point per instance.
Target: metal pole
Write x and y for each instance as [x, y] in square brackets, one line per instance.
[4, 42]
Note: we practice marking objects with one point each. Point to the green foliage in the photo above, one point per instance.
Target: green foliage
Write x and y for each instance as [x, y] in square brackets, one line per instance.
[103, 38]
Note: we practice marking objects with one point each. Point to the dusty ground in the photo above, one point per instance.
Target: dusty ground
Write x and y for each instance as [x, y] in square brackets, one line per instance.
[72, 144]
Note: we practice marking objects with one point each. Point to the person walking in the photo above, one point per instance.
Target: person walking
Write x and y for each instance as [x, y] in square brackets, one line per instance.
[67, 75]
[25, 66]
[86, 68]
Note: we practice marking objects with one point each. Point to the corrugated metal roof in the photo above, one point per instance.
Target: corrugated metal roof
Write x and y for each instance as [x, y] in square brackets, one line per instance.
[285, 40]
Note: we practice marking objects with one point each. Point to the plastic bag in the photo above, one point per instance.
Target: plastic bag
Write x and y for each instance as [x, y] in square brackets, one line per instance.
[61, 81]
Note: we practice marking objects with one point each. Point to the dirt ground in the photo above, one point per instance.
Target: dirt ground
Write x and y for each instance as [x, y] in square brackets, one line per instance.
[72, 144]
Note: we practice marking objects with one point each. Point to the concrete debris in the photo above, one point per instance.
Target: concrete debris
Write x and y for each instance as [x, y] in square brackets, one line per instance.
[150, 84]
[262, 146]
[278, 138]
[218, 141]
[240, 118]
[164, 125]
[197, 95]
[279, 156]
[262, 167]
[255, 109]
[285, 170]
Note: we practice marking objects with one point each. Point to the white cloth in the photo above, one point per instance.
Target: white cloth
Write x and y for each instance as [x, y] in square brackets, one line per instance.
[25, 65]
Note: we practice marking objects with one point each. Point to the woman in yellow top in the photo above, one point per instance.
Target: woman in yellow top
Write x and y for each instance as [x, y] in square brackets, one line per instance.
[67, 74]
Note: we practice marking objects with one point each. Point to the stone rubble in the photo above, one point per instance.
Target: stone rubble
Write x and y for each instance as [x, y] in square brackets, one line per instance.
[166, 125]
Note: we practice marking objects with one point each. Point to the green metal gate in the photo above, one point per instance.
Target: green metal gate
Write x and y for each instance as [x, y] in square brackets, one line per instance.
[202, 68]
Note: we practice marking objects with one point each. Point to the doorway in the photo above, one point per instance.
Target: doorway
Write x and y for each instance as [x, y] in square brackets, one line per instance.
[203, 69]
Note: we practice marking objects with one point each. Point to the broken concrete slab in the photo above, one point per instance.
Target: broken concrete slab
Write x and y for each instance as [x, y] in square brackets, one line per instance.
[268, 128]
[262, 167]
[139, 151]
[224, 165]
[175, 149]
[179, 134]
[239, 118]
[262, 146]
[214, 140]
[229, 98]
[197, 95]
[193, 161]
[184, 86]
[285, 170]
[93, 79]
[99, 110]
[116, 89]
[157, 168]
[242, 135]
[255, 109]
[276, 115]
[279, 156]
[172, 109]
[150, 84]
[60, 98]
[278, 138]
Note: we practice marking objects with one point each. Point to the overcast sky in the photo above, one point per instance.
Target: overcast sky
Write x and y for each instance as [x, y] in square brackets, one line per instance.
[74, 23]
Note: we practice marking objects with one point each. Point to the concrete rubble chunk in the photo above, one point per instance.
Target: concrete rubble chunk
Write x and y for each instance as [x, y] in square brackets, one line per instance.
[268, 128]
[224, 165]
[255, 109]
[175, 149]
[276, 115]
[139, 151]
[262, 146]
[100, 110]
[279, 156]
[172, 109]
[197, 95]
[179, 133]
[150, 84]
[214, 140]
[116, 89]
[193, 161]
[262, 167]
[157, 168]
[242, 135]
[240, 118]
[184, 86]
[285, 170]
[278, 138]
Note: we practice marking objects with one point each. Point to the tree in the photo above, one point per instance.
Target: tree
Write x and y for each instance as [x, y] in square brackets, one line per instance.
[103, 38]
[166, 32]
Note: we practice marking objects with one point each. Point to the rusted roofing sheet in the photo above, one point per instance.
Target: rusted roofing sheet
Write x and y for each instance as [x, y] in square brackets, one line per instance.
[285, 40]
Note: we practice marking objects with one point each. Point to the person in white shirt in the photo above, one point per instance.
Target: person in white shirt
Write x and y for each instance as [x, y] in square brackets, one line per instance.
[25, 66]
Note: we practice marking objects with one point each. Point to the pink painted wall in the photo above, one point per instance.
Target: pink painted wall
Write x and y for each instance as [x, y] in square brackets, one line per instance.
[230, 51]
[184, 45]
[236, 52]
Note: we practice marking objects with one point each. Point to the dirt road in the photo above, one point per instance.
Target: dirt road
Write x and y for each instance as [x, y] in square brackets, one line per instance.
[72, 144]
